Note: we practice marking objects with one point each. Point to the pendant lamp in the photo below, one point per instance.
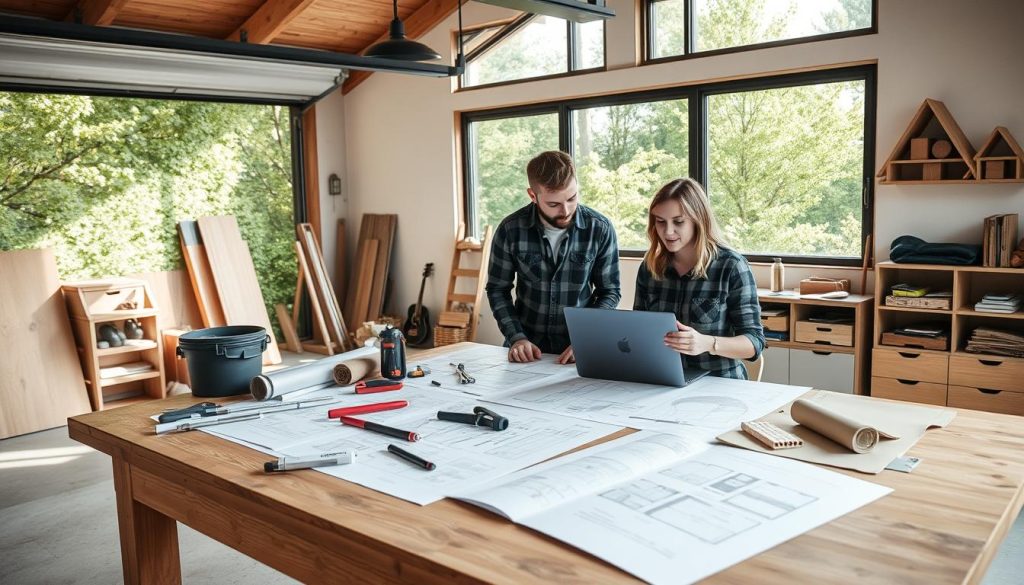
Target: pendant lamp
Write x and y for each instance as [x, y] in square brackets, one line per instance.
[399, 47]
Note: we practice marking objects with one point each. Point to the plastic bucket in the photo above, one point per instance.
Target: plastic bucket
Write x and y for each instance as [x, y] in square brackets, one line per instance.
[222, 360]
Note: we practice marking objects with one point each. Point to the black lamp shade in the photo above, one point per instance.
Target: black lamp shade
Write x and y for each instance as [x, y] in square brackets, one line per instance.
[400, 48]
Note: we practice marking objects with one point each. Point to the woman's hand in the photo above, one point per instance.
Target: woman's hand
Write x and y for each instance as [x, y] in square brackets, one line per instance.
[688, 340]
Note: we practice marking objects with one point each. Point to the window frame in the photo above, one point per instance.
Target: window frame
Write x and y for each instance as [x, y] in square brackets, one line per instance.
[511, 28]
[696, 95]
[647, 44]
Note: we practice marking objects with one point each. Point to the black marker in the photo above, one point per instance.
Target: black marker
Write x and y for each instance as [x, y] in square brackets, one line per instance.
[415, 460]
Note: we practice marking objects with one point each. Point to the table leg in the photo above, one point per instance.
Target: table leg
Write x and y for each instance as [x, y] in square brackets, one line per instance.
[149, 540]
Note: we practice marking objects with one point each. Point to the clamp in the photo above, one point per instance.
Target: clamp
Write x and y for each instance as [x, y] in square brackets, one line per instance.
[481, 417]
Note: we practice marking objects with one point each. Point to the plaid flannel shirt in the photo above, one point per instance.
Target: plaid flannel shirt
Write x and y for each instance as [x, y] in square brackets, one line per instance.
[723, 304]
[585, 274]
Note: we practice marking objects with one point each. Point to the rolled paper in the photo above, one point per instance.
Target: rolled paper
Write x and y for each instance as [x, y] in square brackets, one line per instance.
[855, 436]
[353, 370]
[318, 374]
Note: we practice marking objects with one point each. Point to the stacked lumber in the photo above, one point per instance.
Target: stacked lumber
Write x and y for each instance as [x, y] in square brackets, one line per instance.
[329, 333]
[365, 293]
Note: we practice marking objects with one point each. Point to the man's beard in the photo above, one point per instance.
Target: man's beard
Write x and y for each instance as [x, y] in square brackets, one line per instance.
[559, 221]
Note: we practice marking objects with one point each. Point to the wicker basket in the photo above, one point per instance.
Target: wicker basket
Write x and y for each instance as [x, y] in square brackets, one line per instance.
[449, 335]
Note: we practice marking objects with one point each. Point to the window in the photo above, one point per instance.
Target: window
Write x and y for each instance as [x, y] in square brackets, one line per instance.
[531, 46]
[684, 27]
[786, 160]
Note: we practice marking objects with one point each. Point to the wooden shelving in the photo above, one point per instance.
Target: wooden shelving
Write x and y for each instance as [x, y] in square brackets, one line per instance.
[92, 304]
[1000, 158]
[953, 377]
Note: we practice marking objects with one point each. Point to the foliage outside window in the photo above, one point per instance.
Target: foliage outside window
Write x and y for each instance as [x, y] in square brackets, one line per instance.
[784, 159]
[531, 46]
[726, 24]
[104, 181]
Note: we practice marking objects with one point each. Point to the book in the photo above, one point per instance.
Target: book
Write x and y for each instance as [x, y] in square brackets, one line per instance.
[124, 369]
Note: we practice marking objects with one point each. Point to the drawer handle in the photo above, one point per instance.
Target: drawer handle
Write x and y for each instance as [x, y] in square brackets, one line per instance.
[825, 329]
[987, 391]
[908, 382]
[990, 362]
[112, 292]
[816, 352]
[908, 355]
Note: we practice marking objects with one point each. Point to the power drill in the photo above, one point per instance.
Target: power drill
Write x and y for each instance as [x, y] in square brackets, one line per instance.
[392, 354]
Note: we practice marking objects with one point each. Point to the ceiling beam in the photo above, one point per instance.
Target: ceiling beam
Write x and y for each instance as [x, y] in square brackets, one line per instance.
[96, 12]
[417, 24]
[269, 20]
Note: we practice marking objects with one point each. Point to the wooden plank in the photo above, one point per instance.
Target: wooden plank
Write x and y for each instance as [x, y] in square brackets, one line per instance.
[352, 291]
[235, 278]
[340, 266]
[363, 283]
[291, 337]
[310, 163]
[314, 300]
[325, 291]
[149, 539]
[96, 12]
[385, 226]
[269, 20]
[198, 266]
[41, 381]
[172, 292]
[417, 24]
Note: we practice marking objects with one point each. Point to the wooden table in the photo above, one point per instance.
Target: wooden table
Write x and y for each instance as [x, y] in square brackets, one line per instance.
[942, 524]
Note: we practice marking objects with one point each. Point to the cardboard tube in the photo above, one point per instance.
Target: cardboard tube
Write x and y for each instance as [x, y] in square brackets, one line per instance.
[849, 433]
[319, 374]
[353, 370]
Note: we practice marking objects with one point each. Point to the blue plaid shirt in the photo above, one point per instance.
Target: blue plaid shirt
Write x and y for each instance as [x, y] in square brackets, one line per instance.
[584, 274]
[723, 304]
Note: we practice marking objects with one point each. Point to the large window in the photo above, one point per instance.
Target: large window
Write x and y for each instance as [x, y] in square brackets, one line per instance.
[682, 27]
[531, 46]
[786, 160]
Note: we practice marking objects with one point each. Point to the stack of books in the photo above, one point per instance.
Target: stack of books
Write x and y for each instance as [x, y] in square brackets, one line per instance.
[908, 290]
[996, 342]
[922, 336]
[999, 239]
[998, 303]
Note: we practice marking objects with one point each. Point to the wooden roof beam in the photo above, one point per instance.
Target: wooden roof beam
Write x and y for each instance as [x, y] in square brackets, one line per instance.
[417, 24]
[96, 12]
[269, 20]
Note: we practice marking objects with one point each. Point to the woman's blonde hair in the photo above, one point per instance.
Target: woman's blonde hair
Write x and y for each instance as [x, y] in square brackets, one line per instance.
[697, 207]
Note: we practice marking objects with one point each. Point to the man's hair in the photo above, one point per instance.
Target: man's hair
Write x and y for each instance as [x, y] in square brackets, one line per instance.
[551, 170]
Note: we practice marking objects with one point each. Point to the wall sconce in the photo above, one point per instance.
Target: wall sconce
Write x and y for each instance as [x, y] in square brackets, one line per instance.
[334, 184]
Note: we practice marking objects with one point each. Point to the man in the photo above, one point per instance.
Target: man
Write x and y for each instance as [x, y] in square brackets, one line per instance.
[560, 253]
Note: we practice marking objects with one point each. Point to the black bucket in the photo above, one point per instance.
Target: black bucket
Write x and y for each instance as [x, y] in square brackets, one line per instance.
[222, 360]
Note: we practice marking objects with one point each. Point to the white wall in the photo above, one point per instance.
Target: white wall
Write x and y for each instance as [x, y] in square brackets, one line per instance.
[400, 133]
[330, 146]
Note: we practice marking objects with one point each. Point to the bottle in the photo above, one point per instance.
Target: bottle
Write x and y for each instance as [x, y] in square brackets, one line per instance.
[778, 275]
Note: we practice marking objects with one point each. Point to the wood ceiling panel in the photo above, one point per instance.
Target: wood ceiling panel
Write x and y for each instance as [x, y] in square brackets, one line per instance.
[206, 18]
[51, 9]
[344, 25]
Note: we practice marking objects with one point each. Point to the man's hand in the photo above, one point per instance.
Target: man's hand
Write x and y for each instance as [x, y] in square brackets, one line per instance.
[567, 357]
[523, 351]
[688, 340]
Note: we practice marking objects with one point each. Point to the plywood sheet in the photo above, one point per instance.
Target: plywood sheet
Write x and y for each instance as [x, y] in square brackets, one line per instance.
[235, 278]
[172, 292]
[41, 381]
[198, 267]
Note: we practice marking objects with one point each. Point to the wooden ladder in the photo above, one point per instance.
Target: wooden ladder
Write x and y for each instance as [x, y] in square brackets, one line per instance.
[466, 247]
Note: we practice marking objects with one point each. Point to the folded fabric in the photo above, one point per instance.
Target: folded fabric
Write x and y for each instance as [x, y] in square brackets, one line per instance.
[913, 250]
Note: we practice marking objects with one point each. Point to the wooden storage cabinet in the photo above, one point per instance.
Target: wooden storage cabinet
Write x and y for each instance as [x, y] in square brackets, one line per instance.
[776, 365]
[953, 377]
[823, 370]
[824, 333]
[92, 304]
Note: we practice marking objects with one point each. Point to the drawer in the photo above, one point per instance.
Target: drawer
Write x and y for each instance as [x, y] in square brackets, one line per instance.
[996, 373]
[1003, 401]
[96, 302]
[779, 323]
[823, 370]
[910, 391]
[824, 333]
[910, 364]
[776, 365]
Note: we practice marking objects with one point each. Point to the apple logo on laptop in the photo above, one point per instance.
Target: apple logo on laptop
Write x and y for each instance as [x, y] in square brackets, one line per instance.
[624, 345]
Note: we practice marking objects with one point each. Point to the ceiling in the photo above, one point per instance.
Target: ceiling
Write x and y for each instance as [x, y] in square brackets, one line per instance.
[345, 26]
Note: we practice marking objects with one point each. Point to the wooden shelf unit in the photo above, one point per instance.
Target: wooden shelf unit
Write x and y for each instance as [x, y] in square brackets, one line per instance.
[953, 377]
[824, 363]
[113, 301]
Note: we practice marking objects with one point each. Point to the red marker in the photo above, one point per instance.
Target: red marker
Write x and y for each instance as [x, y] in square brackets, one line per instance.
[382, 429]
[367, 408]
[377, 386]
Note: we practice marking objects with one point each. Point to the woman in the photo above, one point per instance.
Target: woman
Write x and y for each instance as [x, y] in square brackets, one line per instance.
[689, 271]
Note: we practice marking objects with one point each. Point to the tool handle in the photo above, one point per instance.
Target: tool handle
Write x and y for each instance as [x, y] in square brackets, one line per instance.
[459, 417]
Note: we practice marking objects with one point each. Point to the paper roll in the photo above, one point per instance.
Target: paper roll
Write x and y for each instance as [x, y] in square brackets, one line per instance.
[318, 374]
[354, 370]
[857, 437]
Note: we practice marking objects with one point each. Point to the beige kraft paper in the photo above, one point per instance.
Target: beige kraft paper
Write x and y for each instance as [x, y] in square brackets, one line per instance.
[352, 371]
[854, 435]
[904, 420]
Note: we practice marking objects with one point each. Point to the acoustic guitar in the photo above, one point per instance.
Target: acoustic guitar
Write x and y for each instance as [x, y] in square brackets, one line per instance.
[417, 324]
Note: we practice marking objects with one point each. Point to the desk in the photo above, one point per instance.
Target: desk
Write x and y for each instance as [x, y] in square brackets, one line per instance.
[942, 524]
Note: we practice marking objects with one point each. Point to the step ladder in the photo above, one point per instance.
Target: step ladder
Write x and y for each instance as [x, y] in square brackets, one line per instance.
[460, 316]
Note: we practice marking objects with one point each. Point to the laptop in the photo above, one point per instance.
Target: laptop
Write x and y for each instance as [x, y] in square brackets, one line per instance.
[627, 346]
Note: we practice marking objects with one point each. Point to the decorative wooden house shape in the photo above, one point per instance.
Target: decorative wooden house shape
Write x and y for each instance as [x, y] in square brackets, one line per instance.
[933, 149]
[1000, 158]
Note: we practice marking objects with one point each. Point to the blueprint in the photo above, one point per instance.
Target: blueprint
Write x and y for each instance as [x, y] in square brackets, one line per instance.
[493, 372]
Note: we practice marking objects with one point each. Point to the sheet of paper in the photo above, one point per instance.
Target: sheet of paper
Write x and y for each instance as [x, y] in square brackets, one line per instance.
[708, 406]
[703, 514]
[493, 372]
